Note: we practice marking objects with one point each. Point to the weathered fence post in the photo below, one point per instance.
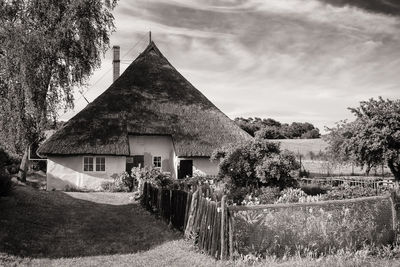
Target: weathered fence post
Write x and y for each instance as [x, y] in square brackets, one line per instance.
[223, 244]
[394, 201]
[187, 209]
[231, 229]
[192, 213]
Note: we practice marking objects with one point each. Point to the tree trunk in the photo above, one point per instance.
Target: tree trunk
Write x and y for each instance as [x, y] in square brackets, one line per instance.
[23, 168]
[395, 169]
[367, 169]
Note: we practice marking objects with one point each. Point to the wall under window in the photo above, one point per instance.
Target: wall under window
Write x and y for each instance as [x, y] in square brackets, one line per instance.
[65, 171]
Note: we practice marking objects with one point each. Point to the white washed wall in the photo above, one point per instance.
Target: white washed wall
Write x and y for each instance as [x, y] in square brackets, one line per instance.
[68, 170]
[151, 146]
[205, 165]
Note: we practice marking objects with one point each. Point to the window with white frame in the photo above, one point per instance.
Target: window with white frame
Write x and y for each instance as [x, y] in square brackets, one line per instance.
[91, 164]
[157, 162]
[100, 164]
[88, 164]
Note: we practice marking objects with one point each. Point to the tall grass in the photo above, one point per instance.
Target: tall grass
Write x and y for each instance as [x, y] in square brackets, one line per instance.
[318, 229]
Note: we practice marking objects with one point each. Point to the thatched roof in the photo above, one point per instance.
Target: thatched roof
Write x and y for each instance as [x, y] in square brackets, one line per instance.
[150, 98]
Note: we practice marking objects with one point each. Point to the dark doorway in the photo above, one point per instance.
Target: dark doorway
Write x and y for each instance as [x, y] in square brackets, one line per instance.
[134, 161]
[185, 169]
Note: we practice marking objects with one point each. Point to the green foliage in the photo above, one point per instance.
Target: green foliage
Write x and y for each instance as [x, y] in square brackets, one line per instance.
[152, 175]
[71, 188]
[322, 229]
[161, 179]
[311, 134]
[8, 163]
[107, 186]
[237, 195]
[350, 192]
[269, 132]
[256, 162]
[291, 195]
[271, 129]
[121, 183]
[268, 195]
[6, 186]
[46, 49]
[372, 139]
[314, 189]
[277, 169]
[261, 196]
[5, 159]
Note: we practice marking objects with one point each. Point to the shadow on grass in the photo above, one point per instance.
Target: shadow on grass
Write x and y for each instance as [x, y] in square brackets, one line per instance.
[37, 224]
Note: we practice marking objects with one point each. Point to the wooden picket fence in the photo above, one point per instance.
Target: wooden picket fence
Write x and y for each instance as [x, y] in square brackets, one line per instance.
[199, 215]
[351, 181]
[210, 222]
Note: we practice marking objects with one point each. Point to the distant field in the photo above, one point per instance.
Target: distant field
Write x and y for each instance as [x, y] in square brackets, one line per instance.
[303, 146]
[318, 167]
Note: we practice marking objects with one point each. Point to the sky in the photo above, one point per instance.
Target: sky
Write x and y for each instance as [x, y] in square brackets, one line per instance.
[290, 60]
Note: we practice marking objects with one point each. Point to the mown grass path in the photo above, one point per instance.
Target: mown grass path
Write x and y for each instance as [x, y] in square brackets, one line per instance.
[57, 224]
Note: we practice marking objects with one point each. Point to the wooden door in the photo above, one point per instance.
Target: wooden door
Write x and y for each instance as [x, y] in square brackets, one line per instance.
[134, 161]
[185, 169]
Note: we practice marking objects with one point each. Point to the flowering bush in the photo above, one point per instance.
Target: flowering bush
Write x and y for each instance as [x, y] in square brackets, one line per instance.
[268, 195]
[237, 195]
[291, 195]
[256, 162]
[349, 192]
[307, 199]
[121, 183]
[198, 173]
[251, 196]
[250, 200]
[151, 175]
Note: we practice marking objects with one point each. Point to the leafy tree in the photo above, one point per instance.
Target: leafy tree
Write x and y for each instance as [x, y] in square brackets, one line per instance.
[269, 132]
[301, 130]
[256, 162]
[271, 122]
[272, 129]
[47, 48]
[311, 134]
[373, 138]
[337, 137]
[249, 125]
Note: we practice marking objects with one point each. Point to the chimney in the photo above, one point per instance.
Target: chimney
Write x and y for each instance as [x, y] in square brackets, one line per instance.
[116, 62]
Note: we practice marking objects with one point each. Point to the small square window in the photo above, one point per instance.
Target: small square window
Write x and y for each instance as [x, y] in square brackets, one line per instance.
[100, 164]
[88, 164]
[157, 162]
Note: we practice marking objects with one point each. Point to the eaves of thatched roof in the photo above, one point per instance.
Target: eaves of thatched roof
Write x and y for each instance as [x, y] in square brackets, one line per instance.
[150, 98]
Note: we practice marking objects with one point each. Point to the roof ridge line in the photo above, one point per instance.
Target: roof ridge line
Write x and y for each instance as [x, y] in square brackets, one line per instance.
[151, 46]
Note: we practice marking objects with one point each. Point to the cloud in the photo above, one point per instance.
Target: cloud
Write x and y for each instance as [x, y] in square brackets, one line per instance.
[389, 7]
[293, 60]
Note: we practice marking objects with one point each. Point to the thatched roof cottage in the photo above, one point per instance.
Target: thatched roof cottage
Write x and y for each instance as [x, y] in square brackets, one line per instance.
[150, 116]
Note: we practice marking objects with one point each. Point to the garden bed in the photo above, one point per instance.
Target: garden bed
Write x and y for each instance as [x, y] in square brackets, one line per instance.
[319, 228]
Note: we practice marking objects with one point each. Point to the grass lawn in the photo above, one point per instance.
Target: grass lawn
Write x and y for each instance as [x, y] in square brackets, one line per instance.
[39, 228]
[303, 146]
[39, 224]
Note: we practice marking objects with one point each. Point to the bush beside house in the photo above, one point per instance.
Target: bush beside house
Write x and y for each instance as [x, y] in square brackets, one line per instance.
[8, 166]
